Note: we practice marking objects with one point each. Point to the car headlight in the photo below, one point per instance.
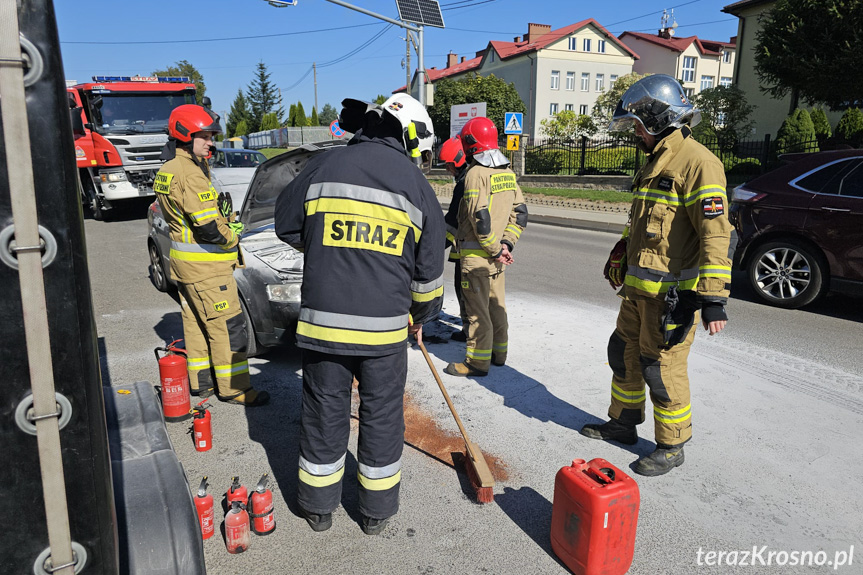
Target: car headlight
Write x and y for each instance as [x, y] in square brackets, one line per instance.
[119, 176]
[286, 293]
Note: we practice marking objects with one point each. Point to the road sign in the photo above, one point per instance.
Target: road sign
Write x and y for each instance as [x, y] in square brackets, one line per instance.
[512, 141]
[512, 123]
[336, 130]
[460, 114]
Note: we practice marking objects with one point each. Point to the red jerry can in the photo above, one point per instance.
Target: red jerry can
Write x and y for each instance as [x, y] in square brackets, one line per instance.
[593, 518]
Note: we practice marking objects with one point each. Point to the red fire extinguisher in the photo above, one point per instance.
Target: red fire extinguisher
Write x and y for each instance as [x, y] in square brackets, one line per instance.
[261, 508]
[202, 428]
[236, 492]
[204, 506]
[174, 380]
[237, 535]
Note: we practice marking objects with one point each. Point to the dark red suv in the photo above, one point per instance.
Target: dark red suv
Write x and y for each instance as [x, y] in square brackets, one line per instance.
[800, 228]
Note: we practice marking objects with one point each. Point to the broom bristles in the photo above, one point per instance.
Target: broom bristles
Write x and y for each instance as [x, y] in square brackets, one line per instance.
[483, 494]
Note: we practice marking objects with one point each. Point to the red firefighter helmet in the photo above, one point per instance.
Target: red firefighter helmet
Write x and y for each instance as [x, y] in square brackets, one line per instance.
[451, 152]
[187, 119]
[478, 135]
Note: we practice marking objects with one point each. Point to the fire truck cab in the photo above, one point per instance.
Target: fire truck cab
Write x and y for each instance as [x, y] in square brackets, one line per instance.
[120, 124]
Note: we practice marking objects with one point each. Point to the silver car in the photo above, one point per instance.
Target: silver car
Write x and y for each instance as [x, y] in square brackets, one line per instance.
[269, 283]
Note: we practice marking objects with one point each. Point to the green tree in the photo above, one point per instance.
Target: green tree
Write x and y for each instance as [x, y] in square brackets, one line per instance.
[314, 120]
[796, 134]
[292, 116]
[803, 42]
[270, 122]
[302, 120]
[725, 111]
[500, 97]
[821, 123]
[327, 115]
[184, 68]
[568, 125]
[263, 97]
[380, 99]
[241, 129]
[606, 102]
[239, 112]
[850, 127]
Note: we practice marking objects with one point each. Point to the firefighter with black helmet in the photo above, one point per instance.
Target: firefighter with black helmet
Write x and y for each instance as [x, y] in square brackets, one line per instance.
[672, 263]
[204, 252]
[452, 155]
[491, 218]
[373, 235]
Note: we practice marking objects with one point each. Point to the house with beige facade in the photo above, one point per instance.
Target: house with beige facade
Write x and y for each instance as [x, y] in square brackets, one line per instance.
[697, 64]
[552, 70]
[769, 112]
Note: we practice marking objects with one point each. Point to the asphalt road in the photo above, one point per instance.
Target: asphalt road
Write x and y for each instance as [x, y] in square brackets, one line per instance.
[775, 460]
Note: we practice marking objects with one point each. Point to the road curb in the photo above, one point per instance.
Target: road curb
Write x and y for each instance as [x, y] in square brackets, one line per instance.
[564, 222]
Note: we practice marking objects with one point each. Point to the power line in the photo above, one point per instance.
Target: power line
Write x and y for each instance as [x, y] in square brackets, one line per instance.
[466, 5]
[684, 25]
[651, 13]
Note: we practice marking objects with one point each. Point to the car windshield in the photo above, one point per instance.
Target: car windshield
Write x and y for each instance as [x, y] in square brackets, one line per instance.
[243, 159]
[137, 113]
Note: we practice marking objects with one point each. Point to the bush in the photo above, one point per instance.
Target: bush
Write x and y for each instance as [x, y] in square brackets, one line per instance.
[850, 127]
[797, 134]
[543, 161]
[821, 124]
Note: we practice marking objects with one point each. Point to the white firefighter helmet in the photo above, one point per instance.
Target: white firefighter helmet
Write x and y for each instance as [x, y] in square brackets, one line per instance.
[408, 110]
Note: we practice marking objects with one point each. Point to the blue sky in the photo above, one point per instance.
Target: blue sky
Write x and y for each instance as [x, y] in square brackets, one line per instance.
[118, 37]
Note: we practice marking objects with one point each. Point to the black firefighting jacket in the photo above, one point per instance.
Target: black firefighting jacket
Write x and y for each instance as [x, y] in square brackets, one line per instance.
[373, 235]
[451, 217]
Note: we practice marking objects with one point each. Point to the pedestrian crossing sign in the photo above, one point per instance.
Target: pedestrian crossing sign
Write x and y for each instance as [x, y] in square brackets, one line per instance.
[512, 123]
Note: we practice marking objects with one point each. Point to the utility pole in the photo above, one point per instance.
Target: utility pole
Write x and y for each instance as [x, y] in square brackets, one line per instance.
[315, 72]
[408, 61]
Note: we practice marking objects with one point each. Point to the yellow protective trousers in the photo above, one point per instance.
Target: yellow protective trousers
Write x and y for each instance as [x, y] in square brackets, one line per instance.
[214, 329]
[484, 303]
[636, 358]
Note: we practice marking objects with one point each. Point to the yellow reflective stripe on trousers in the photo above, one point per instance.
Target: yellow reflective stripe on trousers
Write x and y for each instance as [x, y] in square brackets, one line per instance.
[628, 396]
[232, 369]
[379, 478]
[723, 272]
[321, 474]
[480, 354]
[500, 346]
[198, 363]
[379, 484]
[666, 416]
[321, 480]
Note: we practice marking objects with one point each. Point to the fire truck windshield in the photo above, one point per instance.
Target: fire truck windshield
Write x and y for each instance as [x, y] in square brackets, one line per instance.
[136, 113]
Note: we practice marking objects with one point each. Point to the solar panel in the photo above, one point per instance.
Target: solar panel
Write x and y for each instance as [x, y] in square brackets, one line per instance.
[424, 12]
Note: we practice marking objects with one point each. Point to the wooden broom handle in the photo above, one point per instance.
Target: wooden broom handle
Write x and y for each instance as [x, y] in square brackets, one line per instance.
[443, 390]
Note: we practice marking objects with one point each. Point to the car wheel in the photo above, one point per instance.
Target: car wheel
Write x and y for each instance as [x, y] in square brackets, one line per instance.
[787, 274]
[157, 269]
[252, 347]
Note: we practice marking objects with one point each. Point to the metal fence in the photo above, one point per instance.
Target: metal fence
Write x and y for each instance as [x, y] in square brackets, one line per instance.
[290, 137]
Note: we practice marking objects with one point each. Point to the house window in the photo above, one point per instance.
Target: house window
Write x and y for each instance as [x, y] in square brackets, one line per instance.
[706, 82]
[725, 81]
[726, 56]
[600, 82]
[688, 92]
[552, 109]
[586, 45]
[555, 80]
[585, 81]
[570, 81]
[611, 80]
[600, 46]
[573, 43]
[689, 68]
[491, 56]
[582, 110]
[568, 107]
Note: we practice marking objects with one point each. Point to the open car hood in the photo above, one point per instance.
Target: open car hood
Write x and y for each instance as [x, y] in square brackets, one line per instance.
[270, 179]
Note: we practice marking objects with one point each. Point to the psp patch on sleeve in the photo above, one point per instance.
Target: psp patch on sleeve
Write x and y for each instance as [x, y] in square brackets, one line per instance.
[713, 207]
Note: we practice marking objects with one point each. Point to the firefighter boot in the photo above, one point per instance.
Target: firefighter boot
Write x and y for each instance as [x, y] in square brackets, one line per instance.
[663, 459]
[316, 521]
[373, 526]
[464, 370]
[611, 430]
[249, 398]
[459, 336]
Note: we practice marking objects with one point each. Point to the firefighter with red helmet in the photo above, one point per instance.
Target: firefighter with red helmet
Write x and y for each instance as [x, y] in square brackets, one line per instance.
[204, 252]
[491, 218]
[672, 263]
[452, 155]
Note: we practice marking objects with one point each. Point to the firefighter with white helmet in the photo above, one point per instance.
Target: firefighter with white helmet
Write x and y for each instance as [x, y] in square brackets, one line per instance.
[491, 218]
[204, 251]
[373, 234]
[672, 264]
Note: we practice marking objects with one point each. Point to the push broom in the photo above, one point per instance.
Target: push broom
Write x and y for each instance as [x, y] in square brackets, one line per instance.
[478, 472]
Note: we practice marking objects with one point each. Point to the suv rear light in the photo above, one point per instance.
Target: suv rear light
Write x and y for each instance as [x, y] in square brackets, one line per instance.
[743, 195]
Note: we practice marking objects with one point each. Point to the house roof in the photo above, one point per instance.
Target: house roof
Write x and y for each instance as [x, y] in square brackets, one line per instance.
[510, 49]
[743, 4]
[706, 47]
[433, 74]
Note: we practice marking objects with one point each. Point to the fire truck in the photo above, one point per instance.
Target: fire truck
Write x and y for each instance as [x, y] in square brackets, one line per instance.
[120, 124]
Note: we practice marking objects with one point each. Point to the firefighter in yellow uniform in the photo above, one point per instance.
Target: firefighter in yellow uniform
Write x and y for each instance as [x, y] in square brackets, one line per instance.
[204, 251]
[491, 217]
[673, 265]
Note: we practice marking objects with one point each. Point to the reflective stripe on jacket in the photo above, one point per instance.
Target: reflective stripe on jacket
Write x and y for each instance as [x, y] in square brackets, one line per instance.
[679, 231]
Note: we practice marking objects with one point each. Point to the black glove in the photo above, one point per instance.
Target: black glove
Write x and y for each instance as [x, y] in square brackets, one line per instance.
[226, 205]
[680, 308]
[713, 311]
